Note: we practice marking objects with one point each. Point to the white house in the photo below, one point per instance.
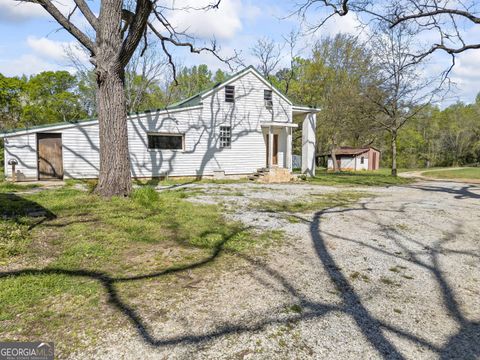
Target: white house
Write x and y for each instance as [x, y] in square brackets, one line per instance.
[234, 128]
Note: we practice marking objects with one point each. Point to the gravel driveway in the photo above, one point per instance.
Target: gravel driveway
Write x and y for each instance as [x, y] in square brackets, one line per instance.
[395, 276]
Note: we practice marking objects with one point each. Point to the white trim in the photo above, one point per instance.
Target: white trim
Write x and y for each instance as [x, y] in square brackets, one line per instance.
[278, 124]
[241, 74]
[93, 122]
[305, 109]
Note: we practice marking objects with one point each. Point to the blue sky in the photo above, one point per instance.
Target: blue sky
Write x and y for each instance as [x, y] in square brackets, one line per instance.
[32, 42]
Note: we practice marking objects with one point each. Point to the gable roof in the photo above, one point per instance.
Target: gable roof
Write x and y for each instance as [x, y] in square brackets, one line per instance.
[197, 98]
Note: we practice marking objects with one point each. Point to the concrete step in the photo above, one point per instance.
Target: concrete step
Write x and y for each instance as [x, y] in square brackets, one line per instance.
[263, 170]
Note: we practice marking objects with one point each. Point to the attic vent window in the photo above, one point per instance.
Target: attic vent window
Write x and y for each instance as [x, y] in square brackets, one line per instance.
[230, 93]
[225, 136]
[267, 96]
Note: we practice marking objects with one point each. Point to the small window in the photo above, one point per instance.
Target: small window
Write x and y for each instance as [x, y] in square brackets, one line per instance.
[229, 93]
[267, 96]
[362, 160]
[225, 136]
[165, 141]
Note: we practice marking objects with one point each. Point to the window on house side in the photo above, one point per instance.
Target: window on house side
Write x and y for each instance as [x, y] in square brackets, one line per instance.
[225, 136]
[165, 141]
[230, 93]
[362, 160]
[267, 97]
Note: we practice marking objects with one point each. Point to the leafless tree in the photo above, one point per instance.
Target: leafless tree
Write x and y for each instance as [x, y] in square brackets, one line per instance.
[268, 55]
[401, 92]
[117, 31]
[292, 44]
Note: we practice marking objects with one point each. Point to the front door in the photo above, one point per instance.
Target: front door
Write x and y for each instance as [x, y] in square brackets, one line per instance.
[50, 160]
[275, 149]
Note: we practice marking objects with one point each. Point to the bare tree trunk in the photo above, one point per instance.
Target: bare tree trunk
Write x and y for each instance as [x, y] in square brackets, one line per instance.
[114, 178]
[334, 156]
[394, 152]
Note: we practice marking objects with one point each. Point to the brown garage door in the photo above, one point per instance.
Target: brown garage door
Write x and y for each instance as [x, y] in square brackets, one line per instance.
[50, 161]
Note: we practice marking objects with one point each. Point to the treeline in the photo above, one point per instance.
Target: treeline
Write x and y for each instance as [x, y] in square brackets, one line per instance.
[362, 102]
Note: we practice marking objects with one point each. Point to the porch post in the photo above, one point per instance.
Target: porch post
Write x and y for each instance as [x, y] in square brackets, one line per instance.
[289, 149]
[308, 144]
[270, 146]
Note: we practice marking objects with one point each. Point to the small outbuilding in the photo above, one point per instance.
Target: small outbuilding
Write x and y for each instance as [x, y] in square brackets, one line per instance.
[353, 159]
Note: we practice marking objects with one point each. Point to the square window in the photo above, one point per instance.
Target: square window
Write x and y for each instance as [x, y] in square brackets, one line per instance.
[225, 136]
[230, 93]
[165, 141]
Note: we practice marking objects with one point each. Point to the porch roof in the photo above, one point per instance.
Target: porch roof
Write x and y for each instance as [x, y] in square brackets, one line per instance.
[278, 124]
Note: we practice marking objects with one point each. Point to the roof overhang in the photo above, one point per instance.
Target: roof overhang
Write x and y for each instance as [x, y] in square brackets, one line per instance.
[304, 109]
[278, 124]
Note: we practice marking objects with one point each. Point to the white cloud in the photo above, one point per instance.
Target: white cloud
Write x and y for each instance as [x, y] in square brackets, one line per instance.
[222, 23]
[55, 50]
[15, 11]
[27, 64]
[466, 75]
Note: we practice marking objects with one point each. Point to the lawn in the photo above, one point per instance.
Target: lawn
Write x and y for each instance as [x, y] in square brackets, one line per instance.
[361, 178]
[464, 173]
[91, 261]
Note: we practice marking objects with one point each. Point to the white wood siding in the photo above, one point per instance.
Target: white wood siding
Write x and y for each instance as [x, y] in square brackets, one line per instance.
[80, 151]
[200, 126]
[349, 163]
[24, 150]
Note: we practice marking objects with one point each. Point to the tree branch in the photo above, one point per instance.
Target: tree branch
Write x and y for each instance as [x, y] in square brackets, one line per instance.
[429, 14]
[136, 30]
[87, 12]
[65, 23]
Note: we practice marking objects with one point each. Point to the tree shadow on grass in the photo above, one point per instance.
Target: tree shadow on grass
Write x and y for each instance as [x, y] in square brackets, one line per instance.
[23, 211]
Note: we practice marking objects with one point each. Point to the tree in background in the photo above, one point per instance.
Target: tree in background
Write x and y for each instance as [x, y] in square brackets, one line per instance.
[336, 78]
[401, 92]
[268, 55]
[190, 81]
[11, 90]
[51, 97]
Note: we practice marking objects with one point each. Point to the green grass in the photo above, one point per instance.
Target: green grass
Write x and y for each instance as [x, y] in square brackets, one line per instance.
[313, 203]
[464, 173]
[360, 178]
[147, 233]
[15, 187]
[186, 180]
